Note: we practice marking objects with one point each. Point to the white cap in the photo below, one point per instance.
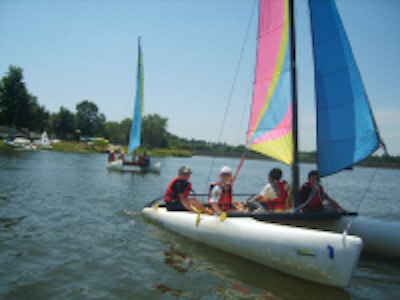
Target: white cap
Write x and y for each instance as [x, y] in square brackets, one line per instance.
[225, 170]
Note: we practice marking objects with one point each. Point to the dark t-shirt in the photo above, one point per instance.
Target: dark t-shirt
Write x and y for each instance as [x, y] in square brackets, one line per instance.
[304, 193]
[179, 187]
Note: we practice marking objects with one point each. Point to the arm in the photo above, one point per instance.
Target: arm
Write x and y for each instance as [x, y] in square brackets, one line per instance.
[334, 204]
[184, 202]
[256, 198]
[216, 208]
[215, 195]
[265, 195]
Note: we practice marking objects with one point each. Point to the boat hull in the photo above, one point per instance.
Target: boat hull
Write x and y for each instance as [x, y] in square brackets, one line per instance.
[323, 257]
[379, 237]
[118, 165]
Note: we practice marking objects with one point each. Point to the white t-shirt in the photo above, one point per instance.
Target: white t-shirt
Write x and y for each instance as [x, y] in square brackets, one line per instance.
[215, 194]
[269, 193]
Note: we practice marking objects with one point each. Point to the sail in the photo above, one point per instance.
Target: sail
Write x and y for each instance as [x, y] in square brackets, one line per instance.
[346, 131]
[270, 129]
[134, 137]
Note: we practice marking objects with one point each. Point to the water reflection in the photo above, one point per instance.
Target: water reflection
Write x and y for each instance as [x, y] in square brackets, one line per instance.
[9, 222]
[236, 278]
[176, 260]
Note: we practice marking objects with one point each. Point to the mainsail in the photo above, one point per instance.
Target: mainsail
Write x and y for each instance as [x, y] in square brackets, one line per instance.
[134, 137]
[346, 131]
[270, 129]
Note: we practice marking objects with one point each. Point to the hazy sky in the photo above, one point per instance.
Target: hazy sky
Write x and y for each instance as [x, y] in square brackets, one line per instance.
[76, 50]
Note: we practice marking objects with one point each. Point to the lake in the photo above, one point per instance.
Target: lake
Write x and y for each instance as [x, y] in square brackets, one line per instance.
[70, 229]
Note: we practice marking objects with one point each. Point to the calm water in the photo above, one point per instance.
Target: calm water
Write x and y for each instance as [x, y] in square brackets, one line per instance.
[69, 229]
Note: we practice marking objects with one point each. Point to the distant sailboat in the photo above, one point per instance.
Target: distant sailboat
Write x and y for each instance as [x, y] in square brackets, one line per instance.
[142, 162]
[45, 142]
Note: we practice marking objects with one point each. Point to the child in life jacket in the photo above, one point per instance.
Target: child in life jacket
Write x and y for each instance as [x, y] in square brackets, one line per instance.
[220, 193]
[274, 195]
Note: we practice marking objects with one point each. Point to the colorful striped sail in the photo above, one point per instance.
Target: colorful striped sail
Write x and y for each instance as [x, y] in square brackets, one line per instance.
[135, 133]
[270, 129]
[346, 130]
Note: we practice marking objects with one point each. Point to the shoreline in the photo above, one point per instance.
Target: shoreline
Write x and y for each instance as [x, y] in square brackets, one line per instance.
[82, 147]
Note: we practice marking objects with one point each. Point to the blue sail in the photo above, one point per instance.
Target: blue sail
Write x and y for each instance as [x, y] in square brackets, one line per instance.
[135, 136]
[346, 130]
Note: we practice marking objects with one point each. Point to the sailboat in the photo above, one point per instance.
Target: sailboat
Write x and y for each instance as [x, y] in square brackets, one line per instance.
[141, 163]
[44, 142]
[346, 129]
[347, 133]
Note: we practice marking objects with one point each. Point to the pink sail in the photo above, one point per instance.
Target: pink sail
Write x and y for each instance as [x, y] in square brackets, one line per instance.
[270, 128]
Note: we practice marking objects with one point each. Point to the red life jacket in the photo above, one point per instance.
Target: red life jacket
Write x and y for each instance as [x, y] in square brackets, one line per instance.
[225, 201]
[171, 196]
[316, 202]
[278, 203]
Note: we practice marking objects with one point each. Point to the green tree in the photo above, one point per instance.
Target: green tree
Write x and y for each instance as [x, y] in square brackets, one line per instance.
[40, 117]
[63, 123]
[89, 120]
[118, 133]
[154, 131]
[15, 101]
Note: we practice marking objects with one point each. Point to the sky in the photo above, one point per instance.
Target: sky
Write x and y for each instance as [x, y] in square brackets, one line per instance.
[198, 55]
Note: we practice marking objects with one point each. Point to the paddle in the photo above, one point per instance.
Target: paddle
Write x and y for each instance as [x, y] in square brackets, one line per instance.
[154, 201]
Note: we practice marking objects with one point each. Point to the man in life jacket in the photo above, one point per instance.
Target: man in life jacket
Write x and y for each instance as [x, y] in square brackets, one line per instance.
[313, 198]
[178, 190]
[274, 195]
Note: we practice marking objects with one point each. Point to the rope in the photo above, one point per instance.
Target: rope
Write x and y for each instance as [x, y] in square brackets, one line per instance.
[232, 88]
[350, 223]
[239, 167]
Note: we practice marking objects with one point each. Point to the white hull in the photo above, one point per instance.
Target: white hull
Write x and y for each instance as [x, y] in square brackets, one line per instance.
[379, 237]
[323, 257]
[118, 165]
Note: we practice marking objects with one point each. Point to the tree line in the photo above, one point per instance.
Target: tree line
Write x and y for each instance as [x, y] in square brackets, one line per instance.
[19, 109]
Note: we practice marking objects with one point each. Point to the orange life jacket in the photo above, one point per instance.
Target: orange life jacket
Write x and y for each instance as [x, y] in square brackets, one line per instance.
[278, 203]
[171, 196]
[225, 201]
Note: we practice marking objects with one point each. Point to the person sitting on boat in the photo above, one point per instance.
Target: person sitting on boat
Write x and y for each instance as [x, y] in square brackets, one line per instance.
[312, 196]
[134, 157]
[220, 193]
[121, 156]
[146, 159]
[273, 196]
[111, 156]
[176, 195]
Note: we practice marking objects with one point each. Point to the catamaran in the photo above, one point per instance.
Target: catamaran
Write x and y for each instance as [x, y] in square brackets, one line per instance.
[321, 247]
[142, 162]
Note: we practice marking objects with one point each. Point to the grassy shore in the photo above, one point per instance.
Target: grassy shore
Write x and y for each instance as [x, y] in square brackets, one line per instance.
[82, 147]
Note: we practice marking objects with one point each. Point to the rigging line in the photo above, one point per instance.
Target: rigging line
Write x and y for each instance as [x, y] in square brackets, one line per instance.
[232, 88]
[350, 223]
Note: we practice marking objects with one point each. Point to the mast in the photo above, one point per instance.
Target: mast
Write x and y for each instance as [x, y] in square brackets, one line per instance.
[295, 165]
